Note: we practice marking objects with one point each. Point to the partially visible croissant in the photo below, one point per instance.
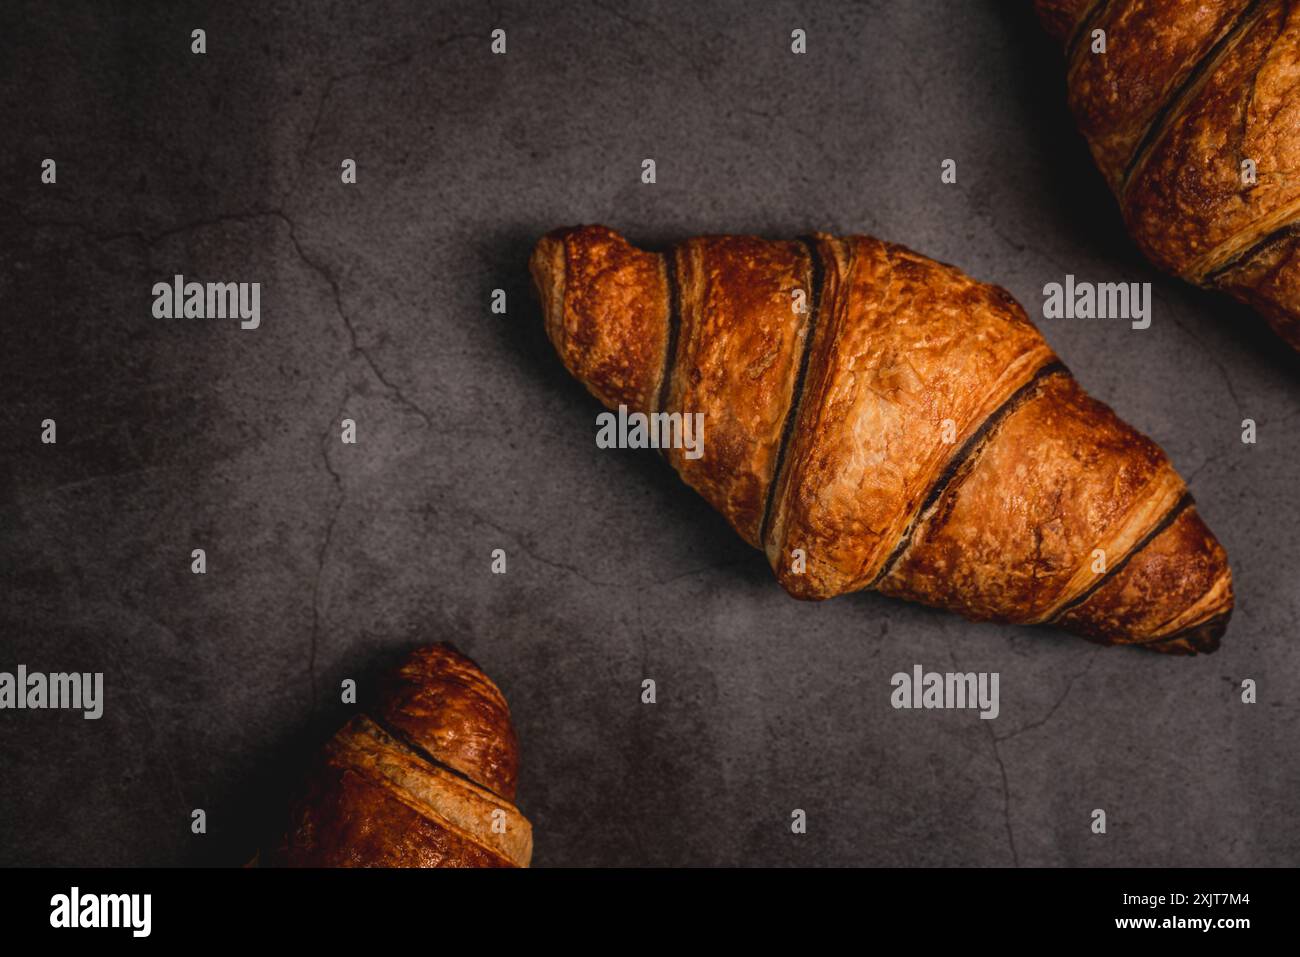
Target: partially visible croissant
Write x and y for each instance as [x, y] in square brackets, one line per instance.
[909, 430]
[1193, 115]
[427, 780]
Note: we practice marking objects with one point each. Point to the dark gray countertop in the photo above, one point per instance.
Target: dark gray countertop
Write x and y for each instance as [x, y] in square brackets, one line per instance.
[324, 560]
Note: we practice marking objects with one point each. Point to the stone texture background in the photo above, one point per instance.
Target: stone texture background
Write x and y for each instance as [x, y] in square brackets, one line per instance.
[326, 561]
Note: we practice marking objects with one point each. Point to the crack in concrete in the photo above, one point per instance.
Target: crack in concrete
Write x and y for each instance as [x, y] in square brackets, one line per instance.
[334, 80]
[357, 349]
[1209, 460]
[330, 83]
[1006, 795]
[700, 570]
[1092, 658]
[322, 553]
[1002, 769]
[1214, 360]
[150, 240]
[665, 37]
[530, 552]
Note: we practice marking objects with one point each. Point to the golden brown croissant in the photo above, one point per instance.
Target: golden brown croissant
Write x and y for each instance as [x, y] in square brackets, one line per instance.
[1193, 115]
[875, 419]
[427, 780]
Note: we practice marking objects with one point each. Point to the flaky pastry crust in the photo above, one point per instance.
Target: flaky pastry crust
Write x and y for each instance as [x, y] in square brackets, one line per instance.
[427, 779]
[876, 419]
[1193, 116]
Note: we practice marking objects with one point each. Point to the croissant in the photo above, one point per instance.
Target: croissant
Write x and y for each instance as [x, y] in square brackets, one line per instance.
[1193, 116]
[876, 419]
[426, 780]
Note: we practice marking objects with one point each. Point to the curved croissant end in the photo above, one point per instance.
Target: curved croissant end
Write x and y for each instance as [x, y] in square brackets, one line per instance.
[876, 419]
[1192, 113]
[427, 781]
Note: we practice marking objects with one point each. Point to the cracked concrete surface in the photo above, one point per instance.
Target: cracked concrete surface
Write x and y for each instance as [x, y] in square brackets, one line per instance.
[325, 561]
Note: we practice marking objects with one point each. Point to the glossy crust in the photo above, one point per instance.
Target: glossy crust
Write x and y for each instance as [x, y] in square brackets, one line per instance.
[740, 335]
[429, 782]
[906, 347]
[606, 313]
[1080, 481]
[1269, 280]
[1186, 92]
[912, 432]
[1184, 561]
[442, 703]
[1117, 96]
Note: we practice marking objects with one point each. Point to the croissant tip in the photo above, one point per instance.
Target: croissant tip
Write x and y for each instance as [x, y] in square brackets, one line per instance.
[1199, 639]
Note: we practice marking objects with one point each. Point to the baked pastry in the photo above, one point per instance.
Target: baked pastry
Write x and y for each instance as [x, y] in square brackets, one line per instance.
[1193, 116]
[876, 419]
[427, 779]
